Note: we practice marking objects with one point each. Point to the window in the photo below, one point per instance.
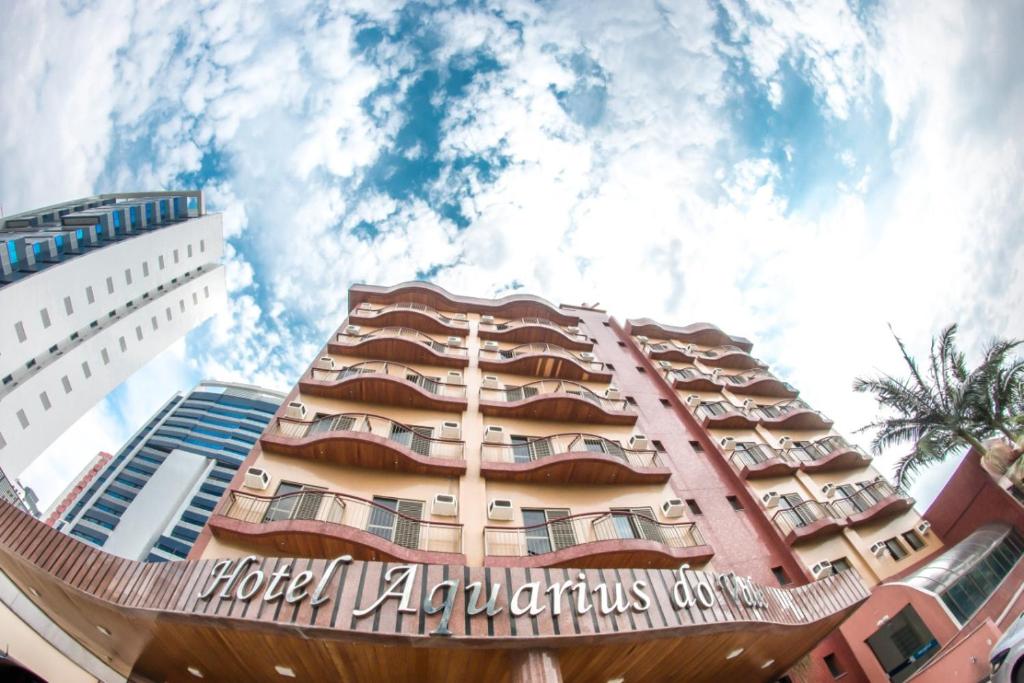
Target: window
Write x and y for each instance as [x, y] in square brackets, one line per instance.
[206, 291]
[970, 591]
[45, 400]
[734, 502]
[190, 251]
[110, 285]
[694, 508]
[128, 275]
[160, 261]
[168, 313]
[695, 445]
[66, 383]
[105, 355]
[609, 366]
[834, 667]
[658, 446]
[175, 255]
[913, 539]
[202, 246]
[195, 298]
[665, 403]
[138, 332]
[781, 576]
[68, 308]
[181, 305]
[123, 343]
[153, 322]
[840, 564]
[544, 533]
[630, 400]
[85, 370]
[622, 344]
[45, 315]
[89, 296]
[19, 330]
[640, 369]
[606, 323]
[396, 520]
[896, 549]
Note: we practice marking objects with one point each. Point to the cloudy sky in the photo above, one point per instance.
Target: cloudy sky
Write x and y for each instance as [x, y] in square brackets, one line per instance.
[802, 173]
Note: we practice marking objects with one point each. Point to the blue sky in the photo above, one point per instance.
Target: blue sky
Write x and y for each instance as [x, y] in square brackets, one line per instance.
[801, 173]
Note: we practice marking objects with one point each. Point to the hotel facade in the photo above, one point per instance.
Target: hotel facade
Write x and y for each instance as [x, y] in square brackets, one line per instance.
[508, 490]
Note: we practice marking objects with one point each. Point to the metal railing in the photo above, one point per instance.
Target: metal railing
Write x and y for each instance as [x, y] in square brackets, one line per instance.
[524, 322]
[350, 511]
[361, 312]
[431, 385]
[717, 409]
[549, 386]
[777, 410]
[401, 333]
[542, 447]
[822, 448]
[540, 348]
[415, 438]
[591, 527]
[801, 515]
[749, 454]
[683, 374]
[864, 499]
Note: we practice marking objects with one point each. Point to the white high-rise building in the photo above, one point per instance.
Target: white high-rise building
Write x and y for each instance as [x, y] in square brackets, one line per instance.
[90, 290]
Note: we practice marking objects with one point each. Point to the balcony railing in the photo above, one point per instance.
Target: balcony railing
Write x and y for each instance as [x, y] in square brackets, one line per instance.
[577, 530]
[753, 454]
[710, 409]
[801, 515]
[777, 410]
[547, 387]
[414, 438]
[864, 499]
[546, 446]
[402, 333]
[347, 511]
[822, 448]
[542, 349]
[368, 311]
[381, 368]
[524, 322]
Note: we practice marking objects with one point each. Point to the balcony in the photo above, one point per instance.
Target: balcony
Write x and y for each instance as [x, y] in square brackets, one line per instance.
[400, 344]
[670, 350]
[723, 414]
[757, 461]
[831, 454]
[407, 314]
[571, 459]
[794, 414]
[386, 383]
[556, 401]
[691, 378]
[536, 330]
[875, 502]
[370, 441]
[322, 524]
[758, 383]
[806, 521]
[544, 360]
[597, 539]
[729, 357]
[704, 334]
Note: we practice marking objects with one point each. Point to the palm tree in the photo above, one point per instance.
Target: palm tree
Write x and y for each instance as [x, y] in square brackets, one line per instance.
[946, 407]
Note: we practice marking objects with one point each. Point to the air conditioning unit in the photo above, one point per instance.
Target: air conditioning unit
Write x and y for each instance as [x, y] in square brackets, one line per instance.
[665, 364]
[494, 434]
[638, 442]
[491, 382]
[693, 400]
[487, 319]
[491, 345]
[460, 316]
[749, 404]
[785, 443]
[450, 430]
[454, 377]
[687, 349]
[256, 478]
[366, 306]
[728, 444]
[716, 373]
[587, 356]
[642, 338]
[924, 528]
[770, 499]
[672, 508]
[454, 341]
[444, 505]
[828, 490]
[352, 329]
[324, 363]
[296, 410]
[878, 549]
[500, 510]
[822, 569]
[613, 393]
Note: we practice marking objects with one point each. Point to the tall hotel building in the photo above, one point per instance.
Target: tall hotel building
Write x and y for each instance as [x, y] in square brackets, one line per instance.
[507, 490]
[92, 289]
[152, 500]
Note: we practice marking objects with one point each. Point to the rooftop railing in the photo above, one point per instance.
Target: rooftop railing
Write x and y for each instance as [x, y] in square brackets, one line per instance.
[417, 439]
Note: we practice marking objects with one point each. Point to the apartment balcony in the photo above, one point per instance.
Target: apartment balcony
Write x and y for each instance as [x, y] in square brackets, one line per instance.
[544, 360]
[322, 524]
[793, 414]
[671, 350]
[400, 344]
[757, 383]
[412, 315]
[831, 454]
[758, 461]
[386, 383]
[704, 334]
[729, 357]
[875, 502]
[571, 459]
[691, 378]
[806, 521]
[536, 330]
[723, 415]
[555, 401]
[370, 441]
[597, 539]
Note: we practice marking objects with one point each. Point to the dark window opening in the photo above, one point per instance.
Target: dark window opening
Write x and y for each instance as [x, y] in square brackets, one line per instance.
[694, 508]
[640, 369]
[658, 446]
[695, 445]
[630, 400]
[734, 502]
[665, 402]
[781, 576]
[834, 667]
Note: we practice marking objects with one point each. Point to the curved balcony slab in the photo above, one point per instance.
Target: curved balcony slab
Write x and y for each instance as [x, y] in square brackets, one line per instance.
[545, 365]
[819, 528]
[428, 294]
[425, 321]
[668, 352]
[843, 458]
[801, 418]
[697, 382]
[891, 506]
[316, 539]
[536, 333]
[763, 386]
[731, 420]
[636, 553]
[557, 407]
[401, 349]
[576, 467]
[736, 360]
[382, 389]
[773, 467]
[362, 449]
[704, 334]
